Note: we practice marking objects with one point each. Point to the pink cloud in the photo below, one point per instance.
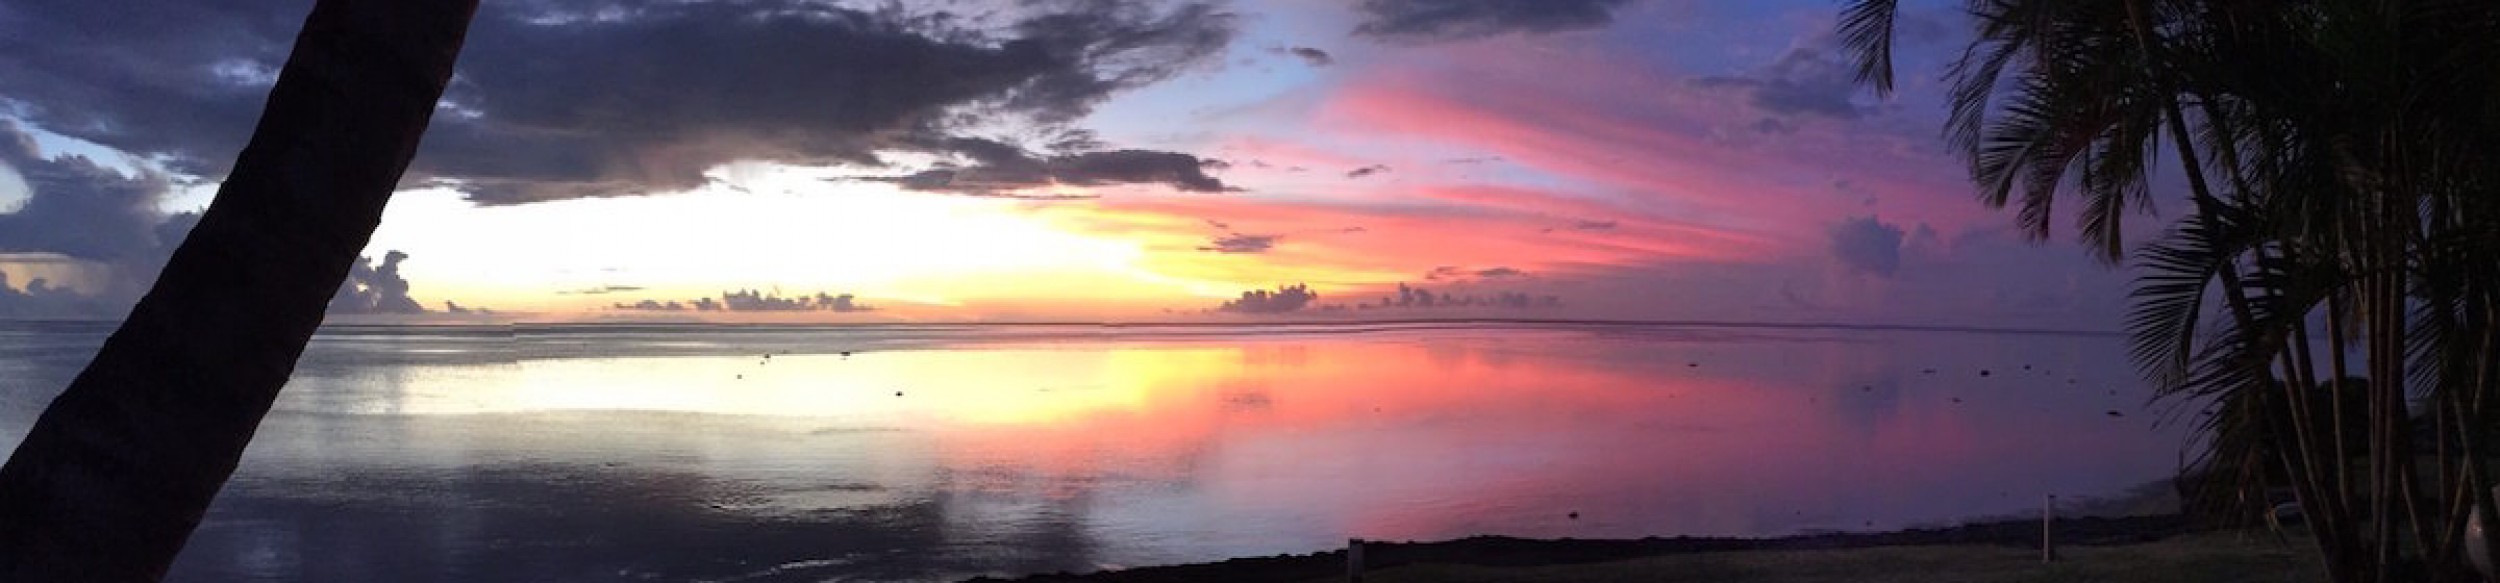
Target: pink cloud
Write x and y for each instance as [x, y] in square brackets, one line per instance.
[1670, 146]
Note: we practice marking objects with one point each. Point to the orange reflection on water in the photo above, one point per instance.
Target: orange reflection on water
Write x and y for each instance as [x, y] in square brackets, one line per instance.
[1415, 435]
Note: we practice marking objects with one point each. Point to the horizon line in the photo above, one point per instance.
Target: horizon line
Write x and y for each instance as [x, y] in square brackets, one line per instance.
[1571, 322]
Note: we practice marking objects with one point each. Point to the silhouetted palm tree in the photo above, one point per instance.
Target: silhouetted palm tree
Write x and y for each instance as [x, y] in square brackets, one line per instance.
[118, 470]
[2340, 155]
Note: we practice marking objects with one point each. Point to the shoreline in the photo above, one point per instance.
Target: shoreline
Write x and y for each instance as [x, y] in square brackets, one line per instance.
[1501, 551]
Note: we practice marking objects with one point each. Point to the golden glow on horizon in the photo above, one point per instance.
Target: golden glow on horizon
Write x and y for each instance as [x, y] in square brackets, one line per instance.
[959, 387]
[788, 230]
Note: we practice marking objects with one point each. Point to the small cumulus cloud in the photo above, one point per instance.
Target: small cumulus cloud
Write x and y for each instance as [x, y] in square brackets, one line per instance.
[752, 301]
[1585, 225]
[1867, 245]
[373, 288]
[600, 290]
[1453, 273]
[1242, 243]
[1416, 297]
[1285, 299]
[1299, 298]
[1367, 171]
[1813, 79]
[1310, 56]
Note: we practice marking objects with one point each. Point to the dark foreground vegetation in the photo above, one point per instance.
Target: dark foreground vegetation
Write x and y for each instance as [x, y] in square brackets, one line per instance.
[2140, 548]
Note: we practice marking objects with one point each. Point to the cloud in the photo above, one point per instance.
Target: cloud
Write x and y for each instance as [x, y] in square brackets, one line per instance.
[1299, 298]
[1241, 243]
[1285, 299]
[1310, 56]
[95, 221]
[600, 290]
[753, 301]
[994, 168]
[1808, 80]
[1867, 245]
[1416, 297]
[1439, 20]
[1367, 171]
[78, 208]
[375, 288]
[562, 99]
[1453, 273]
[40, 300]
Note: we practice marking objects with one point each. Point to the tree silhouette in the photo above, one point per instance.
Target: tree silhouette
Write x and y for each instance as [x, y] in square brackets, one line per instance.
[121, 466]
[2343, 159]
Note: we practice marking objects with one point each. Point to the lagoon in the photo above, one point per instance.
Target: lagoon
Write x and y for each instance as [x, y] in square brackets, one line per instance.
[723, 453]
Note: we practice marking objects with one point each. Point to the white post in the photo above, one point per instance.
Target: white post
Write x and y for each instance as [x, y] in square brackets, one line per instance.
[2048, 542]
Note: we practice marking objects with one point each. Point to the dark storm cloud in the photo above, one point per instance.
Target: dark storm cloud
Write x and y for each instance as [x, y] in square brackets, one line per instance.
[1866, 245]
[1432, 20]
[1807, 80]
[563, 99]
[753, 301]
[145, 75]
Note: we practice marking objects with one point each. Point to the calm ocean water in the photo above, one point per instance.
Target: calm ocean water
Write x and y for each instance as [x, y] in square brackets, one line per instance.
[943, 452]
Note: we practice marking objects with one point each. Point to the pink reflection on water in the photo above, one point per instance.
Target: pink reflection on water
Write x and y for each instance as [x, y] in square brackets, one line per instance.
[1435, 438]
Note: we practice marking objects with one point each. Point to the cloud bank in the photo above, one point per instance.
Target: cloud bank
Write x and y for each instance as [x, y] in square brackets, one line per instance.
[558, 99]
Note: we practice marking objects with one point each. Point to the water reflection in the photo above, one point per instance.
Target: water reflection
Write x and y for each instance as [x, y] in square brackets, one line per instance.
[690, 454]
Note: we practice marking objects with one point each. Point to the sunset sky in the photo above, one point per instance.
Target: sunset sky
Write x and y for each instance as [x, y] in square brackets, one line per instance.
[997, 160]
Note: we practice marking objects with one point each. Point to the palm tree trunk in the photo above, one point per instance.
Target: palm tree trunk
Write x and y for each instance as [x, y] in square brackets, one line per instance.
[2305, 487]
[2336, 333]
[120, 467]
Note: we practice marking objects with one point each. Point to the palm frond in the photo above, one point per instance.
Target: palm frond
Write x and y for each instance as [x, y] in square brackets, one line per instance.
[1866, 29]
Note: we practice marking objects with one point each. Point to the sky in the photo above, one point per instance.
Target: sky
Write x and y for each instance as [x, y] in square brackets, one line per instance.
[1076, 160]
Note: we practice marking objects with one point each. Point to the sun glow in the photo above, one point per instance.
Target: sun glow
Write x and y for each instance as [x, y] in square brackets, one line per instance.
[963, 387]
[790, 230]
